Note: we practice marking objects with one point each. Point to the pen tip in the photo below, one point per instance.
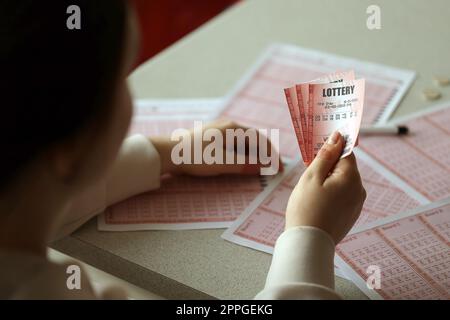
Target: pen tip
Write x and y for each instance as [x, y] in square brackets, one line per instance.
[403, 130]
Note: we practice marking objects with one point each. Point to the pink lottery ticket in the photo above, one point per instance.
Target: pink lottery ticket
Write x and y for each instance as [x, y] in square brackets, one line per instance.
[298, 101]
[302, 92]
[410, 251]
[422, 158]
[259, 101]
[335, 107]
[292, 99]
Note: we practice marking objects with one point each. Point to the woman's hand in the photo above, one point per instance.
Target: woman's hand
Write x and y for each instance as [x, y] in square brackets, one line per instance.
[329, 195]
[164, 145]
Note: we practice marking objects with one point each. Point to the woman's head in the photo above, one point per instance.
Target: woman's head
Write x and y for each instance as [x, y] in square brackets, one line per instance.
[64, 100]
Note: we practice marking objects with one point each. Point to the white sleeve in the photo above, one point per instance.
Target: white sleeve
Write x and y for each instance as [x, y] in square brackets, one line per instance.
[137, 169]
[302, 266]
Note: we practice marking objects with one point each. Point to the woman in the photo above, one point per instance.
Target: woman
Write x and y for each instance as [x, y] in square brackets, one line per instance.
[66, 109]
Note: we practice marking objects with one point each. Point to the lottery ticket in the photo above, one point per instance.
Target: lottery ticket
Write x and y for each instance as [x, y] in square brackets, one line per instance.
[298, 101]
[336, 105]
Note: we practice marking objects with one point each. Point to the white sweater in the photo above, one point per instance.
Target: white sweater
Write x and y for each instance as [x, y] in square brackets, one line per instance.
[302, 263]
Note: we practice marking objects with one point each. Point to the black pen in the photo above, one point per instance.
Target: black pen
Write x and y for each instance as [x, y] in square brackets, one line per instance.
[384, 130]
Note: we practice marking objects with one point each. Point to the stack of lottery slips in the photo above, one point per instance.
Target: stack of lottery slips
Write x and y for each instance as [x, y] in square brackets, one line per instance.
[320, 107]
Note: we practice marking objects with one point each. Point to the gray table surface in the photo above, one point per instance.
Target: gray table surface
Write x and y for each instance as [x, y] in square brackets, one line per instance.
[207, 63]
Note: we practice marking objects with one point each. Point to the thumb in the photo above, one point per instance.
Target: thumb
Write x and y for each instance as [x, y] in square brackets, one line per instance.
[327, 157]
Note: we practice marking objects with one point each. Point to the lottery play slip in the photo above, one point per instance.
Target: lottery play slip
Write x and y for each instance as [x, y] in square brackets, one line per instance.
[215, 202]
[404, 225]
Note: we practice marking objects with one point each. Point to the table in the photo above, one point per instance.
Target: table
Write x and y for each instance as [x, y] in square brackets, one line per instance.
[207, 63]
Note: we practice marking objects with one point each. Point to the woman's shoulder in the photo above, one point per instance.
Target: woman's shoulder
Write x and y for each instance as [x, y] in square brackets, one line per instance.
[27, 276]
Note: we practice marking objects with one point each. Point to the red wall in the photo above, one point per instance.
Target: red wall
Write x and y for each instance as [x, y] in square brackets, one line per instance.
[163, 22]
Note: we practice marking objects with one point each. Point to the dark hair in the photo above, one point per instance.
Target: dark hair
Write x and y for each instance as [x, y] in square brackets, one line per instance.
[54, 80]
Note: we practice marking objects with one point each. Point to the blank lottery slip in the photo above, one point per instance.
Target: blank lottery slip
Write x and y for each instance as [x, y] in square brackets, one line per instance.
[154, 117]
[263, 221]
[410, 250]
[178, 207]
[388, 193]
[182, 202]
[422, 158]
[260, 87]
[258, 99]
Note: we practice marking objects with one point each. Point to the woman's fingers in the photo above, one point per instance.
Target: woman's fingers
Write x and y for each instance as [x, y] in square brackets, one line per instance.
[327, 157]
[347, 166]
[248, 142]
[247, 153]
[219, 169]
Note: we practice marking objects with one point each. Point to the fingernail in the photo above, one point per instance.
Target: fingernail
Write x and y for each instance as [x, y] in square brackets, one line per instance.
[333, 139]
